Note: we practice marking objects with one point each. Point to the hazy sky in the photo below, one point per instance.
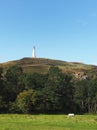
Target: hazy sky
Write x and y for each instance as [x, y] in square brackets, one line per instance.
[59, 29]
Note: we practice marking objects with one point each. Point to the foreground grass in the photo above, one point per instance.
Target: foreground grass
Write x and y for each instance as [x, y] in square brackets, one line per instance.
[47, 122]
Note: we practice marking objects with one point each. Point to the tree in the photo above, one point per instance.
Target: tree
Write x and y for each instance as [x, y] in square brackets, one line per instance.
[92, 96]
[80, 95]
[13, 73]
[26, 101]
[58, 91]
[35, 81]
[86, 95]
[1, 80]
[13, 84]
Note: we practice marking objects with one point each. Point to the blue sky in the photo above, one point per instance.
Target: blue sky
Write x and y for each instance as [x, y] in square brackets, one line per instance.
[59, 29]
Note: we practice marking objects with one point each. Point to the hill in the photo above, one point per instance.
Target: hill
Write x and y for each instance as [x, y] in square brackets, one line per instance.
[41, 65]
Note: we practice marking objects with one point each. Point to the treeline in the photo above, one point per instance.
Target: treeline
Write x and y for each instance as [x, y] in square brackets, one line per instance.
[54, 92]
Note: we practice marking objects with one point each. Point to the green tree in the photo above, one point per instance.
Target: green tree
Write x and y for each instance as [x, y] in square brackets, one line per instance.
[80, 95]
[3, 106]
[1, 80]
[92, 96]
[26, 101]
[86, 95]
[35, 81]
[13, 83]
[58, 91]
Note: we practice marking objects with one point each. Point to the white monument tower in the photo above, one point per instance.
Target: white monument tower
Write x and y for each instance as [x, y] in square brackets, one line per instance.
[33, 52]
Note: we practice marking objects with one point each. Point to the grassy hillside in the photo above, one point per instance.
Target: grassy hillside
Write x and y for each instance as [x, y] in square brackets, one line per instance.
[41, 65]
[47, 122]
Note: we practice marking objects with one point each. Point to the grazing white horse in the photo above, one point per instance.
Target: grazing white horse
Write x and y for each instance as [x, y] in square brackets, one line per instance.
[71, 115]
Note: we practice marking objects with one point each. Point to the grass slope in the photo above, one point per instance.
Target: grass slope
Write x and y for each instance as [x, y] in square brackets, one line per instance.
[41, 65]
[47, 122]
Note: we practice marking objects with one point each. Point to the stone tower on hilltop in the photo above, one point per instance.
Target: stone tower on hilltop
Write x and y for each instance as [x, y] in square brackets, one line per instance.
[33, 52]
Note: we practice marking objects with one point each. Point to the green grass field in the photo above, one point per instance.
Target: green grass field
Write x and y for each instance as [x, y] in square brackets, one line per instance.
[47, 122]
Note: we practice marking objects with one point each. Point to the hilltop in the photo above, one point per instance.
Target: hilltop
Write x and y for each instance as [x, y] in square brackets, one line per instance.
[41, 65]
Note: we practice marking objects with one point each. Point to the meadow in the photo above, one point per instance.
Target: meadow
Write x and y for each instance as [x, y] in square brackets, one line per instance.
[47, 122]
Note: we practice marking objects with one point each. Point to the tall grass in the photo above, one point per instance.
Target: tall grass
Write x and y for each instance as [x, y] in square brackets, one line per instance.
[47, 122]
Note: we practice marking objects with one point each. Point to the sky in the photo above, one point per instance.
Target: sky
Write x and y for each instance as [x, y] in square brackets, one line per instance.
[59, 29]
